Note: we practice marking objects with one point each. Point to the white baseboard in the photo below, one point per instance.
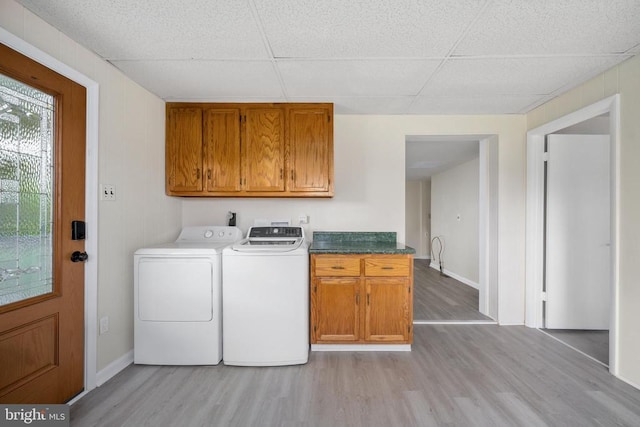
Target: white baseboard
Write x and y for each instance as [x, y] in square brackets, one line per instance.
[632, 384]
[360, 347]
[113, 368]
[455, 276]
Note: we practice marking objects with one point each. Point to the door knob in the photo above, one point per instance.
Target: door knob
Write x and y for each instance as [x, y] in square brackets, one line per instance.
[78, 256]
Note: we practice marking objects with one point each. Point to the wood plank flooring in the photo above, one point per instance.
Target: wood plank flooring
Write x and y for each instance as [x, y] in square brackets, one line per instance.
[456, 375]
[438, 297]
[593, 343]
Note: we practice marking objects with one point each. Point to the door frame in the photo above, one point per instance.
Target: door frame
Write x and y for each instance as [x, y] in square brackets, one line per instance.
[534, 263]
[91, 197]
[488, 284]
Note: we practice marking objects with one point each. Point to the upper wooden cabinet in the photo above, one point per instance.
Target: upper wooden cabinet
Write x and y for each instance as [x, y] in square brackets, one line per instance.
[249, 150]
[310, 150]
[184, 150]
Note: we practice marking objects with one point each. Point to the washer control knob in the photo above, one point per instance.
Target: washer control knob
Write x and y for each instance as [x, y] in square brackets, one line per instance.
[208, 234]
[221, 234]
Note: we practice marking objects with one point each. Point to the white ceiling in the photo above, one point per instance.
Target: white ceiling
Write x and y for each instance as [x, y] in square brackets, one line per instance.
[428, 155]
[366, 56]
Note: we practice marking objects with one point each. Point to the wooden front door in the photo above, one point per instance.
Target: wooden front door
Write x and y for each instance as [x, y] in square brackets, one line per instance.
[42, 176]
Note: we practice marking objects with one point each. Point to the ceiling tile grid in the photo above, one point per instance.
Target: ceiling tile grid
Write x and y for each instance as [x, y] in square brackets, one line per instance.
[364, 28]
[157, 29]
[513, 76]
[491, 104]
[366, 56]
[199, 80]
[546, 27]
[355, 77]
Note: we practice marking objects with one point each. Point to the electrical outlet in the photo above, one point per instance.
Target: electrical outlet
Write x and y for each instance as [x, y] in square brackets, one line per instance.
[104, 325]
[303, 219]
[108, 192]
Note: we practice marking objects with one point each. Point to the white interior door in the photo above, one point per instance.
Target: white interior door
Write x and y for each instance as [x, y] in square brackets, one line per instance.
[578, 232]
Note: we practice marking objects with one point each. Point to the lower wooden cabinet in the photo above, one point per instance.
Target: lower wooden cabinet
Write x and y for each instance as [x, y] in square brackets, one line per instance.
[361, 299]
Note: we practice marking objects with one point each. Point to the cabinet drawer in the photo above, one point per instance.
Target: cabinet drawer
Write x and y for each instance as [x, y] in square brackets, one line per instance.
[386, 267]
[330, 266]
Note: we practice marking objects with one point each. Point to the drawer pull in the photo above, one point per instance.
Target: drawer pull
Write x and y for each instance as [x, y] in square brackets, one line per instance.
[387, 268]
[337, 267]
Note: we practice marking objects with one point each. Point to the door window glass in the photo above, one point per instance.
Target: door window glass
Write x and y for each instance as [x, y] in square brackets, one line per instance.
[26, 191]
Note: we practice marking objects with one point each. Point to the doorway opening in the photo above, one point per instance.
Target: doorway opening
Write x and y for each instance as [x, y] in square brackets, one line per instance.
[601, 117]
[451, 193]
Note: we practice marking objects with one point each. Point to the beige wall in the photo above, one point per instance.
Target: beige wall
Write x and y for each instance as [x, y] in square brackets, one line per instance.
[625, 80]
[369, 180]
[417, 202]
[370, 188]
[131, 157]
[456, 192]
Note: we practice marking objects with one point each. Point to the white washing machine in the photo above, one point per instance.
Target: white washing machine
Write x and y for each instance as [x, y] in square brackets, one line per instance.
[177, 298]
[266, 298]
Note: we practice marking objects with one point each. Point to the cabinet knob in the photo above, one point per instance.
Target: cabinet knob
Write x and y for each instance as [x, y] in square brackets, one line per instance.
[337, 267]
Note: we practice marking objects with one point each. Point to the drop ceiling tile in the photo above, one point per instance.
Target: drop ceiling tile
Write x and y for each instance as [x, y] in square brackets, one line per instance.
[554, 27]
[145, 29]
[204, 79]
[473, 105]
[363, 105]
[514, 76]
[355, 77]
[364, 28]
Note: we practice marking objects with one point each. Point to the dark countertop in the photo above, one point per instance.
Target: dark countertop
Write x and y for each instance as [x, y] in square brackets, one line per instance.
[339, 242]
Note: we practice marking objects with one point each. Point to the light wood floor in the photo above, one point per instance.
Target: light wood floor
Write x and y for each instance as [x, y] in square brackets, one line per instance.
[438, 297]
[456, 375]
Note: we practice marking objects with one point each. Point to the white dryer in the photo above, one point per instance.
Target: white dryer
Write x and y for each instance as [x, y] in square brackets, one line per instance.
[177, 298]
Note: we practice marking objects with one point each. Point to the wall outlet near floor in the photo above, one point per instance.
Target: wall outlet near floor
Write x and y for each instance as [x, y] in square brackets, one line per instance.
[108, 192]
[104, 325]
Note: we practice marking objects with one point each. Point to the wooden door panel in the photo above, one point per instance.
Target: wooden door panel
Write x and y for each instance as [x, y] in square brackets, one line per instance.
[263, 150]
[30, 349]
[184, 150]
[310, 149]
[42, 338]
[387, 309]
[222, 149]
[336, 309]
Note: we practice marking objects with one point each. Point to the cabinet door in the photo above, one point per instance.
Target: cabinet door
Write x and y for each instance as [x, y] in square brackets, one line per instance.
[387, 309]
[184, 150]
[222, 149]
[310, 150]
[335, 308]
[263, 150]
